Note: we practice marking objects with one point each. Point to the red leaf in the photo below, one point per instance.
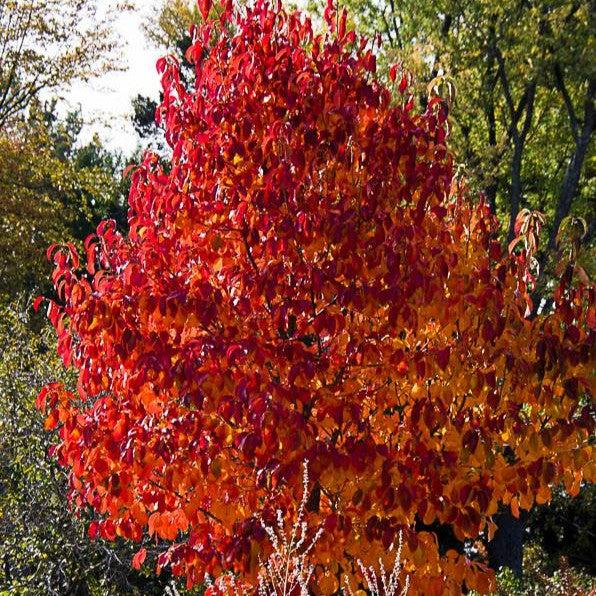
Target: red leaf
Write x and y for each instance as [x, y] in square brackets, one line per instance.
[139, 558]
[93, 530]
[205, 7]
[37, 302]
[50, 251]
[403, 83]
[342, 24]
[233, 353]
[443, 357]
[402, 369]
[329, 14]
[40, 402]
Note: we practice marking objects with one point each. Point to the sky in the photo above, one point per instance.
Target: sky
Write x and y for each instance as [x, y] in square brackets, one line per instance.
[106, 101]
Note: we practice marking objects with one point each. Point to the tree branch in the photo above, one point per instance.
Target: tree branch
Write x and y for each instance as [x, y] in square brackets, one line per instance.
[572, 174]
[560, 84]
[505, 84]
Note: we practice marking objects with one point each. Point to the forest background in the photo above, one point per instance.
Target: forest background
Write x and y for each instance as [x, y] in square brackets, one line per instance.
[520, 78]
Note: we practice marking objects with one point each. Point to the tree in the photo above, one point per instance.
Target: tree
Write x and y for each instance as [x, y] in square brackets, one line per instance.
[144, 116]
[51, 190]
[169, 25]
[567, 528]
[309, 280]
[45, 44]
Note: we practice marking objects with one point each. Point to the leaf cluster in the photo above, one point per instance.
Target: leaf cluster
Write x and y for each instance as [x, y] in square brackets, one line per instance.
[51, 190]
[44, 548]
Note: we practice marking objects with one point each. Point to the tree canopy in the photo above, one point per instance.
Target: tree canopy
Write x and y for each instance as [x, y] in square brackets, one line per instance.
[523, 118]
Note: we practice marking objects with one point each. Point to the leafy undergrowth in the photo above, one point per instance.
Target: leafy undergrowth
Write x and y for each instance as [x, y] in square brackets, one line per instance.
[541, 576]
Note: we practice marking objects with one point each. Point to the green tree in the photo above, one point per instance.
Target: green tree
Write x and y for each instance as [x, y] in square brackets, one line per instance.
[566, 527]
[51, 190]
[168, 27]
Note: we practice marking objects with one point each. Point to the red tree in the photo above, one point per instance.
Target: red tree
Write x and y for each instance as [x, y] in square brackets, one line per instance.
[309, 280]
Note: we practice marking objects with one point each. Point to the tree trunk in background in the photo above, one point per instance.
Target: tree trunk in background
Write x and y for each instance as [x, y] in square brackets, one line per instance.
[506, 547]
[570, 184]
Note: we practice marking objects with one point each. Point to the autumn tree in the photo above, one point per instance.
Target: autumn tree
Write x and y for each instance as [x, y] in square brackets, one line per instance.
[308, 279]
[45, 44]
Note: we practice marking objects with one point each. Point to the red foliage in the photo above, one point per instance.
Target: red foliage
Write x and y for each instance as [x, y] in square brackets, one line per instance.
[307, 280]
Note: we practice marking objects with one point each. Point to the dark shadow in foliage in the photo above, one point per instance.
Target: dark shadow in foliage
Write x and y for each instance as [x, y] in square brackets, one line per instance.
[566, 527]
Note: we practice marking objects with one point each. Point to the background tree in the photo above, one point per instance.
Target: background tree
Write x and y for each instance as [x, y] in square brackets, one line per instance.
[308, 279]
[169, 25]
[51, 190]
[45, 44]
[567, 528]
[143, 118]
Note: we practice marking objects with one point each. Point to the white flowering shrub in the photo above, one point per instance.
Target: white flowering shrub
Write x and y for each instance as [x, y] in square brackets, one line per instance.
[287, 571]
[383, 584]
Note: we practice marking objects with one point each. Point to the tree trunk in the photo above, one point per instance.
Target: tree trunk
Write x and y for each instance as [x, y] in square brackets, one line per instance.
[570, 185]
[506, 547]
[569, 188]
